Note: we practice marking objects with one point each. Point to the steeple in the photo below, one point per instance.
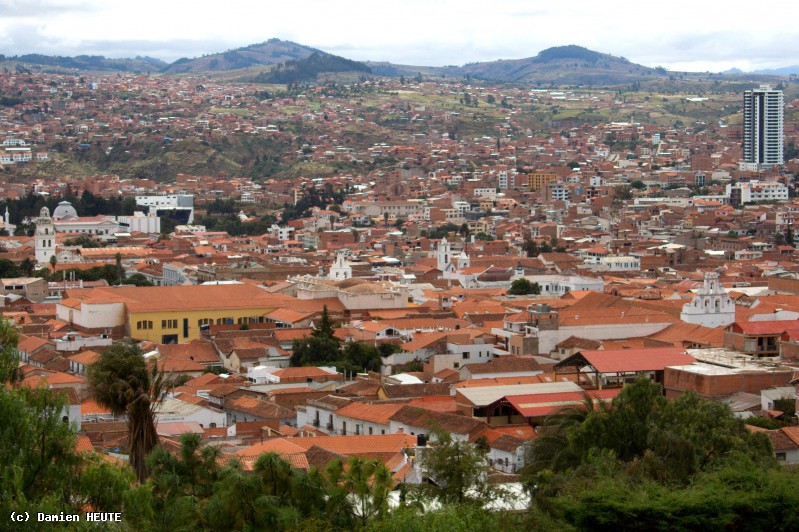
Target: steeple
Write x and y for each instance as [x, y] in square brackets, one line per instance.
[443, 255]
[341, 269]
[711, 306]
[44, 238]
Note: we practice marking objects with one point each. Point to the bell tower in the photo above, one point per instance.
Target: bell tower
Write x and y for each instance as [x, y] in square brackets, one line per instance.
[44, 238]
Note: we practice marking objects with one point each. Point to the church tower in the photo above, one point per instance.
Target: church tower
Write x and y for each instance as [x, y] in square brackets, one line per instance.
[341, 269]
[443, 255]
[44, 239]
[711, 306]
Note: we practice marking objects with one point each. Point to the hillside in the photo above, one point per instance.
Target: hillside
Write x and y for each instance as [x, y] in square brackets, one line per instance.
[571, 65]
[307, 69]
[271, 52]
[87, 62]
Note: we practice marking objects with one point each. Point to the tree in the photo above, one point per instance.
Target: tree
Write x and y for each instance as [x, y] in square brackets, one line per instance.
[368, 483]
[670, 441]
[531, 247]
[322, 346]
[122, 381]
[523, 287]
[457, 469]
[37, 447]
[120, 272]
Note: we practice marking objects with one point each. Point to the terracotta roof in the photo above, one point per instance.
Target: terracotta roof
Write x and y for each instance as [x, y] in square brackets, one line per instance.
[362, 445]
[504, 364]
[258, 408]
[374, 413]
[407, 391]
[767, 327]
[579, 343]
[83, 444]
[163, 298]
[437, 403]
[87, 358]
[200, 351]
[540, 405]
[29, 344]
[428, 419]
[628, 360]
[303, 372]
[286, 315]
[681, 332]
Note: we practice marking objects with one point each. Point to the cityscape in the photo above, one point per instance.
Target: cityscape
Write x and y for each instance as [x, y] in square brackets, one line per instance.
[275, 288]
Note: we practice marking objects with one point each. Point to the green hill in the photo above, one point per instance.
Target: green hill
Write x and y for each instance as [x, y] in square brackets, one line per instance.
[271, 52]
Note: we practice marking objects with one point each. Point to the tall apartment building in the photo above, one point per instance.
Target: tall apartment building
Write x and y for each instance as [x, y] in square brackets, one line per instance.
[762, 128]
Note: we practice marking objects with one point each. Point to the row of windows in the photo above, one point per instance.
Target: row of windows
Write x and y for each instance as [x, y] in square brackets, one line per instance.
[173, 323]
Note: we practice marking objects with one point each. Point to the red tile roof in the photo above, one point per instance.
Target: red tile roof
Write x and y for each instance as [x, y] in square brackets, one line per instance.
[544, 404]
[628, 360]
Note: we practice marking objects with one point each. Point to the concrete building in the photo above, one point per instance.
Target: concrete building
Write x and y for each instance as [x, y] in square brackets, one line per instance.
[762, 128]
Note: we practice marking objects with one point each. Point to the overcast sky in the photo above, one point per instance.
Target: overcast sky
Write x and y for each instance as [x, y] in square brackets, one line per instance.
[696, 35]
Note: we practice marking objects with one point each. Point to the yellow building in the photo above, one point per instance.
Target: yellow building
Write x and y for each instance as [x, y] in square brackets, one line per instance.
[538, 180]
[166, 314]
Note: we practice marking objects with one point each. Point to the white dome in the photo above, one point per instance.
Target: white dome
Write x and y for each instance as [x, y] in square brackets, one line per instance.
[65, 211]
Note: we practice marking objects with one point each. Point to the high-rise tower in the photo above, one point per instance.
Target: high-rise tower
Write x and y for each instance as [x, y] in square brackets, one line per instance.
[763, 128]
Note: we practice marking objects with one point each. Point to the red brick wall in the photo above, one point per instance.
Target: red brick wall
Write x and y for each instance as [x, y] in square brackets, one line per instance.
[677, 381]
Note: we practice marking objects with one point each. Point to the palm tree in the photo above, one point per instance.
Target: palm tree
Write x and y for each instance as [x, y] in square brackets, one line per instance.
[122, 381]
[553, 448]
[118, 260]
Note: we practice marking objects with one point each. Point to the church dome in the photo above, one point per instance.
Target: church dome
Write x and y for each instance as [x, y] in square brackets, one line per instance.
[65, 211]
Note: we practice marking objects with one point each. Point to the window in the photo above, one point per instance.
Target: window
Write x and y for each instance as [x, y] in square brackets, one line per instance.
[204, 321]
[144, 325]
[169, 324]
[780, 456]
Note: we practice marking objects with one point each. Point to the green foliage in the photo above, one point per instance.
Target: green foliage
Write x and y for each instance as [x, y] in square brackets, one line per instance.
[457, 470]
[523, 287]
[83, 241]
[322, 347]
[786, 405]
[442, 231]
[37, 448]
[137, 279]
[294, 71]
[449, 518]
[87, 204]
[764, 423]
[737, 497]
[122, 381]
[670, 440]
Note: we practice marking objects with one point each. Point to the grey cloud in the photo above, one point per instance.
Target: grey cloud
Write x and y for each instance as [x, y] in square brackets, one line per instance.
[42, 8]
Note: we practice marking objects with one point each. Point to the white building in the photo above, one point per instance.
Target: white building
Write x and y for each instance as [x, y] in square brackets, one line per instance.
[711, 306]
[44, 238]
[557, 285]
[341, 269]
[763, 128]
[745, 192]
[149, 223]
[172, 202]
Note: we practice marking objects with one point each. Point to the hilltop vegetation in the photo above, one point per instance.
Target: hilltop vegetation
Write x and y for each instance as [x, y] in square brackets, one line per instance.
[271, 52]
[89, 62]
[307, 69]
[573, 65]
